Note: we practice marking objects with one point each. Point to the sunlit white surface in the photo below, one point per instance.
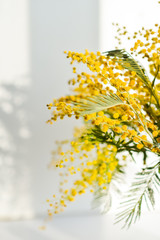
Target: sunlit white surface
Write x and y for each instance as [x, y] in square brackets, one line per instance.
[14, 44]
[78, 228]
[15, 199]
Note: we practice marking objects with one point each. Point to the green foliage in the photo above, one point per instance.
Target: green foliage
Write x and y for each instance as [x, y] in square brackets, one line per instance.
[129, 63]
[97, 135]
[98, 103]
[142, 189]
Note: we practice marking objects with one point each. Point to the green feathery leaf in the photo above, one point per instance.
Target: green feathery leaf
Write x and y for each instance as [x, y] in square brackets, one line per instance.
[102, 200]
[142, 189]
[98, 103]
[128, 62]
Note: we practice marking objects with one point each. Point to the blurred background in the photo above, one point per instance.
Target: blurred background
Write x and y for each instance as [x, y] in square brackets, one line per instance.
[33, 71]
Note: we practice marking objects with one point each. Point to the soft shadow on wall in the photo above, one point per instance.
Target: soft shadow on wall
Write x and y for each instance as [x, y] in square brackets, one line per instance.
[55, 26]
[34, 69]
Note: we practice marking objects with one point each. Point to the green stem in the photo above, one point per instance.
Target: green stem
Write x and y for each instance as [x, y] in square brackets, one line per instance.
[155, 96]
[155, 76]
[146, 129]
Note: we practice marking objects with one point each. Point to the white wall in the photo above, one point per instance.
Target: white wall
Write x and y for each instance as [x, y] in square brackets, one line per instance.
[34, 70]
[15, 132]
[55, 26]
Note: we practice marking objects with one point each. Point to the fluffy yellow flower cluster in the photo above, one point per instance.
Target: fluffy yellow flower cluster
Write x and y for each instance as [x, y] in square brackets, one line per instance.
[93, 165]
[120, 107]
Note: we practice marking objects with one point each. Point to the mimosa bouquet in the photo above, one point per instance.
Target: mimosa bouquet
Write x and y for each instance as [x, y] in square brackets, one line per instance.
[119, 102]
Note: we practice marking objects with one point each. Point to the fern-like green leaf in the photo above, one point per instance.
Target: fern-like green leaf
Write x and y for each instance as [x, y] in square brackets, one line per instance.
[142, 189]
[128, 62]
[98, 103]
[102, 200]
